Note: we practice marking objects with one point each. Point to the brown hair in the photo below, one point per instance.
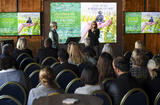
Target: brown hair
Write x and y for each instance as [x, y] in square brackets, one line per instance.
[94, 22]
[104, 66]
[46, 77]
[75, 54]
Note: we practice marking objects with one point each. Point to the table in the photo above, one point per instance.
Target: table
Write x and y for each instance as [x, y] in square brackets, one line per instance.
[57, 100]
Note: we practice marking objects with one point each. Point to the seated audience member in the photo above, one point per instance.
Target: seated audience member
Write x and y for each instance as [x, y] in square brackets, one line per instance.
[63, 58]
[139, 65]
[107, 48]
[47, 51]
[9, 73]
[139, 45]
[76, 56]
[105, 67]
[7, 50]
[21, 48]
[124, 82]
[152, 85]
[89, 52]
[90, 77]
[45, 87]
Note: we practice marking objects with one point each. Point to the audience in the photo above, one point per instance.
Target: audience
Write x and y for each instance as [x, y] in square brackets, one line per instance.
[46, 51]
[139, 65]
[63, 58]
[124, 82]
[108, 48]
[21, 48]
[9, 73]
[152, 85]
[104, 66]
[90, 77]
[7, 50]
[45, 87]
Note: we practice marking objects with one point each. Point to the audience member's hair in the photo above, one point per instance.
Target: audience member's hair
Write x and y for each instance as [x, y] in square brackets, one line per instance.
[88, 42]
[121, 63]
[104, 66]
[22, 43]
[75, 54]
[63, 55]
[139, 57]
[139, 44]
[6, 62]
[48, 42]
[153, 67]
[7, 49]
[46, 76]
[108, 48]
[90, 75]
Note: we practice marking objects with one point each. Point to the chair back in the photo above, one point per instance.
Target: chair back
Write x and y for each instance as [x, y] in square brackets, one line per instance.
[135, 96]
[15, 90]
[25, 62]
[48, 61]
[31, 67]
[21, 57]
[8, 100]
[104, 96]
[34, 76]
[54, 64]
[157, 99]
[64, 77]
[54, 93]
[73, 85]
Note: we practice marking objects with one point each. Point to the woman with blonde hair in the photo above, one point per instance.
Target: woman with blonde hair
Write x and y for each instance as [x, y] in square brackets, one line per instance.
[21, 47]
[107, 48]
[45, 87]
[152, 86]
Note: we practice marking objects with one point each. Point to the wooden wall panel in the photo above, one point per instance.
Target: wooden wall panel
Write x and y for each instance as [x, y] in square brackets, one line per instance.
[29, 5]
[131, 6]
[153, 40]
[8, 5]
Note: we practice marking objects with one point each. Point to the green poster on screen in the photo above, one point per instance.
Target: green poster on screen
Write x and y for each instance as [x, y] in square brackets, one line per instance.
[68, 19]
[133, 22]
[8, 24]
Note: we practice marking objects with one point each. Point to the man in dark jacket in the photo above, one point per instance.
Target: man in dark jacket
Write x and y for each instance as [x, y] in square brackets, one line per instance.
[46, 51]
[124, 82]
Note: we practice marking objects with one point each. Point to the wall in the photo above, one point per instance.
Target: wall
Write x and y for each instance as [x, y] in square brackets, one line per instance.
[151, 40]
[34, 42]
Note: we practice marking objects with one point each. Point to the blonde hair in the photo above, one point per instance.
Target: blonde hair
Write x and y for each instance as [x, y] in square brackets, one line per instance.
[75, 54]
[139, 44]
[152, 65]
[46, 77]
[21, 43]
[108, 48]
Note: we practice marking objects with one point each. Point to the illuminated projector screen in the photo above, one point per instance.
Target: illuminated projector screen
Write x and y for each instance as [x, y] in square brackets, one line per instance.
[21, 23]
[142, 22]
[74, 19]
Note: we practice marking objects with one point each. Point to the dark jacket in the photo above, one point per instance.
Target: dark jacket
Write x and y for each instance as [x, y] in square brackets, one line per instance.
[119, 87]
[46, 52]
[54, 37]
[60, 67]
[152, 87]
[94, 36]
[17, 52]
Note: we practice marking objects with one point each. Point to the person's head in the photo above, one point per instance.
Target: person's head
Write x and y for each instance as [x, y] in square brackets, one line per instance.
[6, 62]
[104, 66]
[7, 49]
[139, 57]
[94, 25]
[46, 76]
[120, 66]
[88, 42]
[75, 54]
[107, 48]
[21, 43]
[90, 75]
[153, 67]
[47, 42]
[63, 55]
[139, 44]
[53, 25]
